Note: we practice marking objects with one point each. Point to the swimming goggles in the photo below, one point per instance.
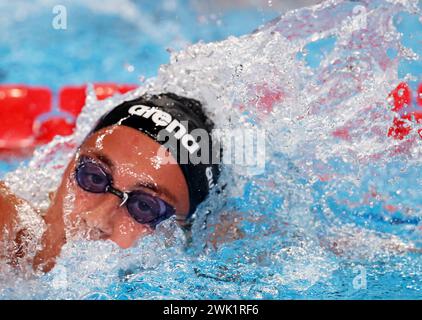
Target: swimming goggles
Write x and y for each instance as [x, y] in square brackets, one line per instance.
[141, 206]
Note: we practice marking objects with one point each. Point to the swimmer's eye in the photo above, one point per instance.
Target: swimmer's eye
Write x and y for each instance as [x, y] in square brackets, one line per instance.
[148, 209]
[91, 177]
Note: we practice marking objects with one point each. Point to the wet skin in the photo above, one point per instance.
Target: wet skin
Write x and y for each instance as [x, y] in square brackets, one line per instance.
[130, 157]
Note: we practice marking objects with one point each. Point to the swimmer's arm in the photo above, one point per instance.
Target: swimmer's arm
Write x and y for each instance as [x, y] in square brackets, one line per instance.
[8, 212]
[8, 221]
[9, 206]
[12, 237]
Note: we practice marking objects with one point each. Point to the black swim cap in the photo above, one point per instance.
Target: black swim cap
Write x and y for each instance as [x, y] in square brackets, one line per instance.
[170, 119]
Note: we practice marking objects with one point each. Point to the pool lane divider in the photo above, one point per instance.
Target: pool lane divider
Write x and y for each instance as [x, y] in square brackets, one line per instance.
[22, 107]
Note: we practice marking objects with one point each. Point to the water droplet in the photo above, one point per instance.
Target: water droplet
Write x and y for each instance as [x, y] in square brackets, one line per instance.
[129, 67]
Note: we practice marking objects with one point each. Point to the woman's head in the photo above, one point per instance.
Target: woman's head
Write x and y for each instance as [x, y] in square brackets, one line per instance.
[122, 182]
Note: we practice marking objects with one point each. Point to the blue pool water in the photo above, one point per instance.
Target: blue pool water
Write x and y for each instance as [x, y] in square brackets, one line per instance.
[368, 212]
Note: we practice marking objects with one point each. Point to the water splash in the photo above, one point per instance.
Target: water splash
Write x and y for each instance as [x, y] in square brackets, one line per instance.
[324, 203]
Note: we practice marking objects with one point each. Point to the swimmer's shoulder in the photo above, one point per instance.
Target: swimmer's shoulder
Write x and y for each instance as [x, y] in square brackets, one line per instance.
[8, 211]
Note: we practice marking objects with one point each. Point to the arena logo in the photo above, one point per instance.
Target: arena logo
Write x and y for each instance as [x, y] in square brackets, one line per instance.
[173, 126]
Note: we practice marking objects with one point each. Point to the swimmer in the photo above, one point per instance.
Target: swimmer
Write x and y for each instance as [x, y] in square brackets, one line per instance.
[117, 186]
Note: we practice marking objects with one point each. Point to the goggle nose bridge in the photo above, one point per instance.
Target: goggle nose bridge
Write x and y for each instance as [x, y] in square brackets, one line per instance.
[121, 194]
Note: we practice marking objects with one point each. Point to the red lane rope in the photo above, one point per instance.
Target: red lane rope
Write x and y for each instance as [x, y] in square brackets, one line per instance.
[21, 107]
[406, 114]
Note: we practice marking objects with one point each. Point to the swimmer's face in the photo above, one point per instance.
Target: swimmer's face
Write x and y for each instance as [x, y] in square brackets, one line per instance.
[131, 159]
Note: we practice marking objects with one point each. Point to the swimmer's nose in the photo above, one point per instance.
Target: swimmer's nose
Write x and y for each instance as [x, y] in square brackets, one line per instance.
[99, 219]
